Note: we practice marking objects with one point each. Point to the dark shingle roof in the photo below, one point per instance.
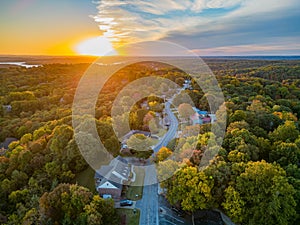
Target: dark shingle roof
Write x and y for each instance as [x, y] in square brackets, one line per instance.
[116, 172]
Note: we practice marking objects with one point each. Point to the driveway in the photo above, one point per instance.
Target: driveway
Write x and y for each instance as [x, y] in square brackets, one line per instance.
[117, 205]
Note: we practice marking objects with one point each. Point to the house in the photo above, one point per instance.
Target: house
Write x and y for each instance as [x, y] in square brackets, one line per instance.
[200, 112]
[202, 117]
[196, 119]
[212, 117]
[111, 178]
[206, 120]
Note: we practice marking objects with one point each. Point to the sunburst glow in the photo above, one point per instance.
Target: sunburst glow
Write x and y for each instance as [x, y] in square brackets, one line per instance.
[96, 46]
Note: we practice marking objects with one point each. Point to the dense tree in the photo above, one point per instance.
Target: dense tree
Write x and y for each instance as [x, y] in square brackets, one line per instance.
[191, 189]
[165, 170]
[221, 173]
[243, 141]
[162, 154]
[139, 142]
[72, 204]
[261, 195]
[285, 153]
[238, 115]
[101, 211]
[286, 132]
[196, 157]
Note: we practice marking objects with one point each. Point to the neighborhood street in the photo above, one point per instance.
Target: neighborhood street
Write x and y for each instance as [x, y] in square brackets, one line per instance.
[172, 128]
[149, 202]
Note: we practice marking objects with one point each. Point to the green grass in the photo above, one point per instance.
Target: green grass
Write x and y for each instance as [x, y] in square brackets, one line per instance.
[86, 179]
[136, 187]
[131, 217]
[153, 141]
[161, 132]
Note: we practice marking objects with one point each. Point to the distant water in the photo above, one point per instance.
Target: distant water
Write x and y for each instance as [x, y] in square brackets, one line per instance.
[271, 58]
[24, 64]
[108, 64]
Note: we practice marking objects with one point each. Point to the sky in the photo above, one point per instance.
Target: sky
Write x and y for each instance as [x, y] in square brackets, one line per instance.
[45, 27]
[205, 27]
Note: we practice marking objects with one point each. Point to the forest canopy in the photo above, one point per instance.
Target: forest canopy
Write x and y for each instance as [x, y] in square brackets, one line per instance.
[254, 179]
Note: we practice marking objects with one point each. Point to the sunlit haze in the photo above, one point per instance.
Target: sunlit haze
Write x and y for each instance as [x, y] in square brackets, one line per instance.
[96, 46]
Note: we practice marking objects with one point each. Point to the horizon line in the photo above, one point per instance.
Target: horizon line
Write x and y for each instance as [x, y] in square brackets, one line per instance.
[93, 56]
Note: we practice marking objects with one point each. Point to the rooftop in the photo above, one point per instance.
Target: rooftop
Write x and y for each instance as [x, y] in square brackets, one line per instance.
[115, 173]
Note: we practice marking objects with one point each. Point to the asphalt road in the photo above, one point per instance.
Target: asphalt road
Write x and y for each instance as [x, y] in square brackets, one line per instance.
[149, 202]
[172, 128]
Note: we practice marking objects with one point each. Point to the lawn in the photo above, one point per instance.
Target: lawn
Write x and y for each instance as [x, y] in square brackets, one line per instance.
[136, 187]
[86, 179]
[153, 141]
[161, 132]
[131, 217]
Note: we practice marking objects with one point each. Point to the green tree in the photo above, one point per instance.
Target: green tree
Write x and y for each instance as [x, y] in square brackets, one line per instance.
[261, 195]
[73, 204]
[286, 132]
[238, 115]
[285, 153]
[221, 173]
[234, 204]
[191, 189]
[139, 142]
[101, 212]
[31, 217]
[165, 170]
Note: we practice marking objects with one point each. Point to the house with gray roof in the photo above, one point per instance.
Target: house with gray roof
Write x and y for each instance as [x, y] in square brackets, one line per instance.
[111, 178]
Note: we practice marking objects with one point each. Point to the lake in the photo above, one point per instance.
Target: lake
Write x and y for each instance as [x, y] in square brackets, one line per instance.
[24, 64]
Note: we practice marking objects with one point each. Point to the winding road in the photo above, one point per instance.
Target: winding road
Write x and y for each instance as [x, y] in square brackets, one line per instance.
[149, 202]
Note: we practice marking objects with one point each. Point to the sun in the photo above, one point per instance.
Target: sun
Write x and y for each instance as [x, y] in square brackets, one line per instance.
[96, 46]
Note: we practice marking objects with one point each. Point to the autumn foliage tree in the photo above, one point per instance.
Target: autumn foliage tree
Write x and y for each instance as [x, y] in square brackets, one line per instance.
[72, 204]
[191, 189]
[163, 154]
[261, 195]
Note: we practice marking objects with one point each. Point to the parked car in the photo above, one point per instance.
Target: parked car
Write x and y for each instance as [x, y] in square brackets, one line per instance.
[126, 202]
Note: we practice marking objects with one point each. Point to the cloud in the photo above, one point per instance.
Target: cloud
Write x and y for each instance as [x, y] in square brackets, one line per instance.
[131, 21]
[134, 20]
[280, 48]
[222, 3]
